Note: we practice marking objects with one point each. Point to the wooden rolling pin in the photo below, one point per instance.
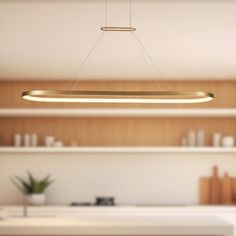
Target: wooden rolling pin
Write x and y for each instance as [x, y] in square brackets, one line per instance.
[215, 187]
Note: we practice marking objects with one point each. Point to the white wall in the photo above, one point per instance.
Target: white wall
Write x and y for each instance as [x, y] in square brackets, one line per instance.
[132, 178]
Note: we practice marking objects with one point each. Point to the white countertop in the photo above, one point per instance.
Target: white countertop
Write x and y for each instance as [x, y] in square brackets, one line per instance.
[117, 225]
[56, 210]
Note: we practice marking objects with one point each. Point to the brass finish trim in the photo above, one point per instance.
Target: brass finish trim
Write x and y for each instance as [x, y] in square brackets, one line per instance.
[118, 28]
[117, 96]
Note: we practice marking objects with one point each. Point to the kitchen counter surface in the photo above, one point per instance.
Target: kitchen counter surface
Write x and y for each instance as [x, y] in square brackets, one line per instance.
[57, 210]
[225, 212]
[117, 225]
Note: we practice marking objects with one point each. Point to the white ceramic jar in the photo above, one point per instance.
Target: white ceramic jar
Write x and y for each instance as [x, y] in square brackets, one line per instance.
[34, 140]
[216, 140]
[200, 138]
[191, 138]
[17, 140]
[228, 141]
[49, 141]
[26, 140]
[58, 144]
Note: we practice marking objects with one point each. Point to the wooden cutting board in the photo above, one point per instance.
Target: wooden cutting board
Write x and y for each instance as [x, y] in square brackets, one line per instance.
[233, 182]
[227, 192]
[204, 190]
[215, 188]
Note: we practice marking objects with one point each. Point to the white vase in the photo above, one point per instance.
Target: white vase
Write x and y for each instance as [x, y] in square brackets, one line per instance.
[36, 199]
[228, 141]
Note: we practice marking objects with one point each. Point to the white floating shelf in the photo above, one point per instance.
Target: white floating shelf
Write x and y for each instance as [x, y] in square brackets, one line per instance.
[115, 112]
[127, 149]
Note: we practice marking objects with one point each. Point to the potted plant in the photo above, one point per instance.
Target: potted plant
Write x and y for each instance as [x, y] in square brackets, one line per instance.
[33, 189]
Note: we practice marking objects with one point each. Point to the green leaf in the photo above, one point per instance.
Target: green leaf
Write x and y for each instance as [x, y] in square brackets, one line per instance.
[25, 185]
[46, 179]
[31, 179]
[33, 185]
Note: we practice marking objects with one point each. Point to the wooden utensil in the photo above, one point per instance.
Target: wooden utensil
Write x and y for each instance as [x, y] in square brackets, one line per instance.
[226, 189]
[233, 182]
[204, 190]
[215, 187]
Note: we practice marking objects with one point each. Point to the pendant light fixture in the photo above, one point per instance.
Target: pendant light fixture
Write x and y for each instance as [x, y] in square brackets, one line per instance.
[115, 96]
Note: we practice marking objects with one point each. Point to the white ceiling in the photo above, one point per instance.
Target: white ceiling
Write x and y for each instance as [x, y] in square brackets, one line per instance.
[191, 39]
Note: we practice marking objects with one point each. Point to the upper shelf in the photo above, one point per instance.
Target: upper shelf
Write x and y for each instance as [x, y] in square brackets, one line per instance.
[118, 149]
[117, 112]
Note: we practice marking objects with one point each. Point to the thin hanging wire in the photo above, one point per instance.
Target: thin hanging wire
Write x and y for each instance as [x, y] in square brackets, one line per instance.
[143, 56]
[140, 48]
[105, 10]
[152, 61]
[130, 13]
[92, 51]
[82, 64]
[93, 48]
[143, 52]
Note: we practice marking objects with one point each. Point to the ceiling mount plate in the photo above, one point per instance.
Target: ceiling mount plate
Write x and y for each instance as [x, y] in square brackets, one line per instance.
[118, 28]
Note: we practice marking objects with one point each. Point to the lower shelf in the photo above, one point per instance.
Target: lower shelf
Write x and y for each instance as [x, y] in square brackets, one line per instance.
[118, 149]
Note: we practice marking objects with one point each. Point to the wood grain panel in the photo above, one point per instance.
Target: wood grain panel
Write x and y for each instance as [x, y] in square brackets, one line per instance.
[225, 96]
[100, 131]
[204, 190]
[115, 131]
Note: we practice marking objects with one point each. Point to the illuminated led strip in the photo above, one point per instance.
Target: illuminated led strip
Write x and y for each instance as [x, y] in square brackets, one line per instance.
[150, 97]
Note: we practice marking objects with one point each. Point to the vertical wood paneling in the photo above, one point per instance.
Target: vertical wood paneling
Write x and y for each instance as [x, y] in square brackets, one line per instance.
[100, 131]
[116, 131]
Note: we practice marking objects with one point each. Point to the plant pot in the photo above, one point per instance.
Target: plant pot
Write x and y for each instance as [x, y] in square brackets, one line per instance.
[36, 199]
